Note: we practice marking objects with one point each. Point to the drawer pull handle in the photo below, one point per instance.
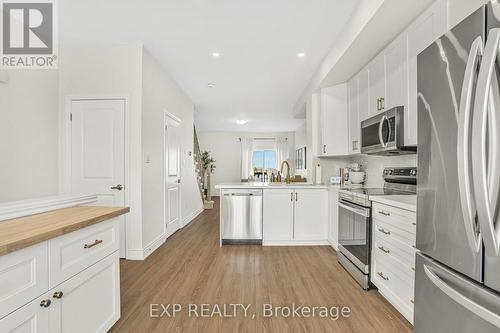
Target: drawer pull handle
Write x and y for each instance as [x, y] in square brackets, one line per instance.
[381, 248]
[58, 294]
[382, 276]
[96, 242]
[384, 213]
[382, 230]
[45, 303]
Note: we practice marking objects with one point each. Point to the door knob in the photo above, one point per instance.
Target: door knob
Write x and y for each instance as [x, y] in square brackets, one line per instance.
[118, 187]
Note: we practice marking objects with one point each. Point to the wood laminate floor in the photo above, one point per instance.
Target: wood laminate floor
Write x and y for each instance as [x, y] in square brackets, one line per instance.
[191, 268]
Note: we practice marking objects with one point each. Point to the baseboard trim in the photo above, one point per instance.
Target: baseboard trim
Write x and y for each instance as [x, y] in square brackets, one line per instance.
[296, 243]
[190, 217]
[333, 245]
[142, 254]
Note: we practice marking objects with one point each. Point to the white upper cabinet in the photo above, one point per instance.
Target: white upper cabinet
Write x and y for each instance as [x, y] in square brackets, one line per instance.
[460, 9]
[363, 95]
[419, 35]
[354, 122]
[376, 73]
[396, 82]
[334, 120]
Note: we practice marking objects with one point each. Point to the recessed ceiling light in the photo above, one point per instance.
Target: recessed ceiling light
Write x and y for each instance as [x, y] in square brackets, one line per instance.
[241, 122]
[301, 55]
[211, 84]
[215, 54]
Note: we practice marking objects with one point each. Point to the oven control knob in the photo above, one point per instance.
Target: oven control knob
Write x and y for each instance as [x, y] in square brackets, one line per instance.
[390, 172]
[413, 172]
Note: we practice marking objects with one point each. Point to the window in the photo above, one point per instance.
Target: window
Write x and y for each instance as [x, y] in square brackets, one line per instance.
[263, 160]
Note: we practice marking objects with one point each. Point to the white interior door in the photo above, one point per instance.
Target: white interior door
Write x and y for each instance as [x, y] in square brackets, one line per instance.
[172, 175]
[98, 153]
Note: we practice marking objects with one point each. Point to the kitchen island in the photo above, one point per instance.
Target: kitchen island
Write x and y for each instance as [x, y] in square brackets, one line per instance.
[60, 270]
[292, 214]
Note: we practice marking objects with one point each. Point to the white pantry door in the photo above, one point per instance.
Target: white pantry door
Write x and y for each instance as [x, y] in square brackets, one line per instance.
[172, 175]
[98, 153]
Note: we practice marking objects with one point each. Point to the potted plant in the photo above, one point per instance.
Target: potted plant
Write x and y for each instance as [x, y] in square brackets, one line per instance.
[207, 167]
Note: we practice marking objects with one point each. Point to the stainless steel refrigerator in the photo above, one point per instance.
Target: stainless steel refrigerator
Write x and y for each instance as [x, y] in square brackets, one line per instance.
[457, 279]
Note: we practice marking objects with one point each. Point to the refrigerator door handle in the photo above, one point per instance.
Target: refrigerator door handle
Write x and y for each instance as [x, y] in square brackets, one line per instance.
[463, 146]
[467, 303]
[486, 187]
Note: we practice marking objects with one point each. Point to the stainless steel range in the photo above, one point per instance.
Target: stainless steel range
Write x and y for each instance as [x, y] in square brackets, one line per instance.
[355, 220]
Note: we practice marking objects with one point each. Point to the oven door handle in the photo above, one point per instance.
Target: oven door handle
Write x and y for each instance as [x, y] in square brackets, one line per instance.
[360, 211]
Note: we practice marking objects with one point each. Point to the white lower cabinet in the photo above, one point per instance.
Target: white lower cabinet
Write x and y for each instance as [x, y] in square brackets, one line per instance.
[333, 218]
[88, 300]
[278, 215]
[31, 318]
[393, 256]
[295, 216]
[311, 215]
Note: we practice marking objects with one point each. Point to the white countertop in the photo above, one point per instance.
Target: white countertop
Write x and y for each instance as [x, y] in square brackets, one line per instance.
[258, 185]
[408, 202]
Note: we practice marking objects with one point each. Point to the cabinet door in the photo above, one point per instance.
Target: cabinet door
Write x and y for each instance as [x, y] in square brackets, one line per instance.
[31, 318]
[363, 95]
[354, 123]
[376, 74]
[24, 275]
[311, 214]
[460, 9]
[278, 214]
[333, 218]
[334, 123]
[89, 301]
[421, 33]
[397, 85]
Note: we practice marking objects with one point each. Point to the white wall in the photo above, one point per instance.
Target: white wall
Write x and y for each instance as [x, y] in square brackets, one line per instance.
[225, 147]
[130, 71]
[160, 93]
[103, 72]
[28, 135]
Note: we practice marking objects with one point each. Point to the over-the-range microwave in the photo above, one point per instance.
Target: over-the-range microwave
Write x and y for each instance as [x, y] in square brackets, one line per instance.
[383, 134]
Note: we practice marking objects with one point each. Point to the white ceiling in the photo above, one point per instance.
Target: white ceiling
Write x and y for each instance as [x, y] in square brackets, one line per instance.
[258, 75]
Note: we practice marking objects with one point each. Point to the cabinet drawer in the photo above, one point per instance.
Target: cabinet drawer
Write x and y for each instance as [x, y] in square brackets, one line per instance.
[23, 276]
[73, 252]
[393, 236]
[386, 277]
[400, 218]
[393, 233]
[402, 263]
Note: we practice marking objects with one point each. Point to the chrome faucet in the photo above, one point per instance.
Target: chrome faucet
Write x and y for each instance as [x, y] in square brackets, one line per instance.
[287, 179]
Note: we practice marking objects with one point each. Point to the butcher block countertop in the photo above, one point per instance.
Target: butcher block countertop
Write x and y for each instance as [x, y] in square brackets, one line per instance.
[22, 232]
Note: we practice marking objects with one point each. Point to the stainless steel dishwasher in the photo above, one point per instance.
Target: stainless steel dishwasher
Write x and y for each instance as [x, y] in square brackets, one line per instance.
[241, 216]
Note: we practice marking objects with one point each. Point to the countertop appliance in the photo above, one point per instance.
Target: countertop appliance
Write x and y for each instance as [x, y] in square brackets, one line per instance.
[457, 281]
[355, 220]
[241, 216]
[383, 134]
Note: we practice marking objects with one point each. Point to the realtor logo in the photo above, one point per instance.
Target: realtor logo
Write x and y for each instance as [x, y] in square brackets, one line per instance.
[28, 35]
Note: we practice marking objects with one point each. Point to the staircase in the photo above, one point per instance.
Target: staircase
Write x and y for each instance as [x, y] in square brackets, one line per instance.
[199, 172]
